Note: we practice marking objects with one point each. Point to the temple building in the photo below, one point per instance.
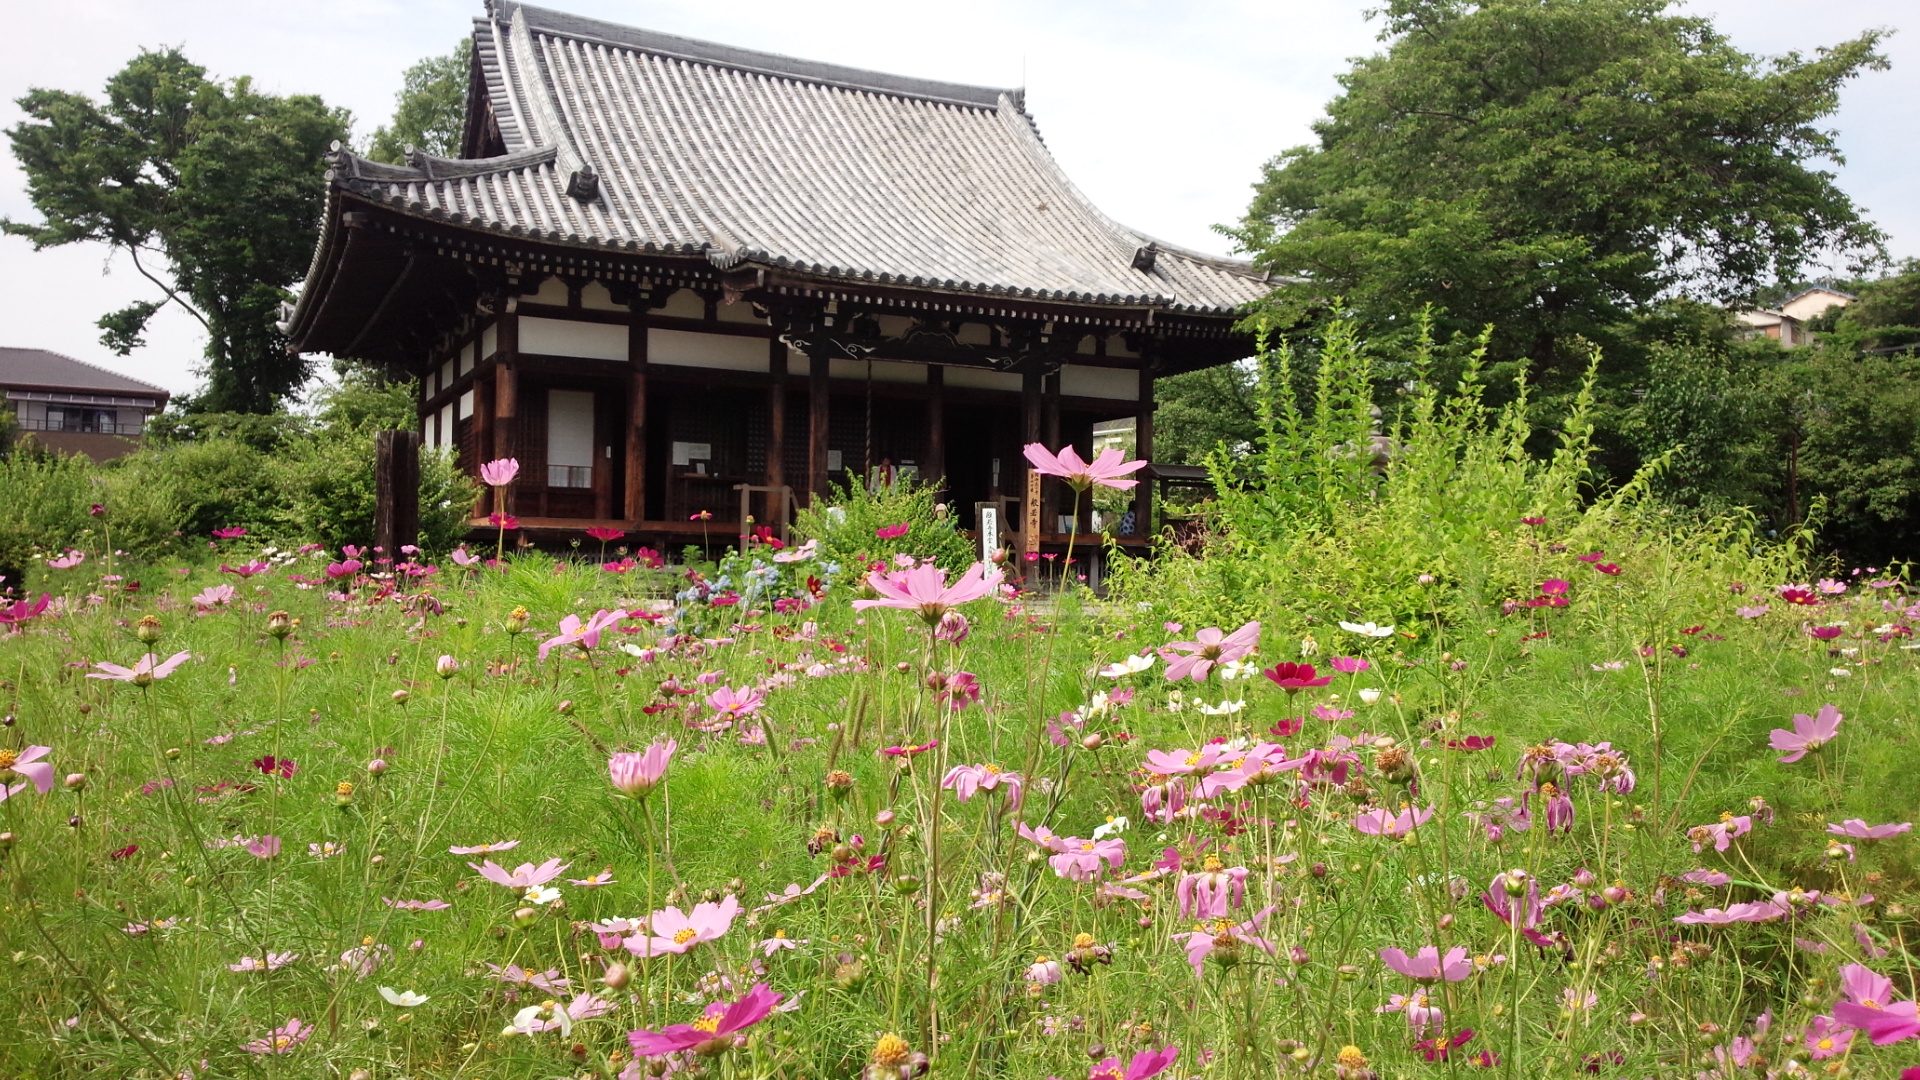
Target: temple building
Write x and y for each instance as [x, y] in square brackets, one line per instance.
[674, 277]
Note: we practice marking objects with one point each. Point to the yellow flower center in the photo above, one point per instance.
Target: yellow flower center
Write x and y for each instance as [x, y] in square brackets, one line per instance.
[1193, 759]
[7, 758]
[683, 936]
[281, 1042]
[1086, 845]
[992, 770]
[891, 1050]
[1726, 815]
[1826, 1044]
[780, 934]
[1083, 941]
[1213, 865]
[368, 940]
[1350, 1057]
[707, 1024]
[1040, 960]
[345, 787]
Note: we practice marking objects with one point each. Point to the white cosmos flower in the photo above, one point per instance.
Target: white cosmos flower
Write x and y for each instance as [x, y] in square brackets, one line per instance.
[550, 1011]
[1225, 708]
[1367, 629]
[1132, 665]
[1113, 827]
[1237, 669]
[1370, 694]
[542, 895]
[1839, 672]
[406, 999]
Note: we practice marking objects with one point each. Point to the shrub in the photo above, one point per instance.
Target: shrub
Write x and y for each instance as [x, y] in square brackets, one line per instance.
[846, 525]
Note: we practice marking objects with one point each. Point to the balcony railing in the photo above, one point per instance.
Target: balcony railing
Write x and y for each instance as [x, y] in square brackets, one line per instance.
[88, 427]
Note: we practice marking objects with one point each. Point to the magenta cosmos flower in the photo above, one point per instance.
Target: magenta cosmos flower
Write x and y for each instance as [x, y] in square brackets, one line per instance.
[144, 673]
[21, 610]
[924, 589]
[714, 1032]
[524, 876]
[1210, 647]
[27, 765]
[966, 781]
[1809, 733]
[1866, 1003]
[1146, 1063]
[635, 775]
[733, 703]
[1294, 678]
[500, 472]
[1212, 890]
[1428, 966]
[1108, 468]
[670, 930]
[1860, 830]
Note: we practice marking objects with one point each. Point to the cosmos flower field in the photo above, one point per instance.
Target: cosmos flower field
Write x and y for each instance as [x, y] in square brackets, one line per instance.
[325, 814]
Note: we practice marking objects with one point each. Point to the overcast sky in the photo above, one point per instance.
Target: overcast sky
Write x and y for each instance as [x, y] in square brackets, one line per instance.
[1161, 111]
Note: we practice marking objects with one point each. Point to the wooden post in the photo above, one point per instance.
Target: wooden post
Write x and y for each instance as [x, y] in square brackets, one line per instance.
[634, 506]
[506, 397]
[776, 420]
[818, 401]
[396, 485]
[935, 471]
[1050, 501]
[482, 440]
[1143, 450]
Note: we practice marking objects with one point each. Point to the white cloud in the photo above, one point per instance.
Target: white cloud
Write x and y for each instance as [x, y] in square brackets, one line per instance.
[1162, 112]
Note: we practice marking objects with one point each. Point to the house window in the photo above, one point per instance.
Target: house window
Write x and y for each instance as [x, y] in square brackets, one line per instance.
[77, 418]
[569, 438]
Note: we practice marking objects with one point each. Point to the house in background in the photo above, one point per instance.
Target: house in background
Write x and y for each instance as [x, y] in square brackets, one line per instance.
[74, 407]
[1787, 323]
[677, 279]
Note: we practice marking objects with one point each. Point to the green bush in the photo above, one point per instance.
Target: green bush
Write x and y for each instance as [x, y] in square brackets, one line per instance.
[846, 524]
[45, 496]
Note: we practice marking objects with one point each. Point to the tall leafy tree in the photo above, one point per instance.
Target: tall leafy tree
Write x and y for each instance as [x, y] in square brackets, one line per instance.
[1548, 166]
[212, 189]
[430, 110]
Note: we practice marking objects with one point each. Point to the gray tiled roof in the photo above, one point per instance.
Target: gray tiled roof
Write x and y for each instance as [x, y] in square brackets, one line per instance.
[752, 157]
[47, 370]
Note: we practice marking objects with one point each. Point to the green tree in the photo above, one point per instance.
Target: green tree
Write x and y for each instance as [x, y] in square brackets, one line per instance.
[430, 110]
[1886, 317]
[1548, 166]
[212, 189]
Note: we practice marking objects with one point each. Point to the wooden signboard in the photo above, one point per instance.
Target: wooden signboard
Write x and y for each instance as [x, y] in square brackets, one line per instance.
[1030, 536]
[989, 532]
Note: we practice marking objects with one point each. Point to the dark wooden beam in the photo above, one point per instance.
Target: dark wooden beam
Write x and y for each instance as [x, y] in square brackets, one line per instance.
[396, 486]
[506, 397]
[1143, 450]
[776, 415]
[634, 504]
[482, 439]
[819, 399]
[935, 470]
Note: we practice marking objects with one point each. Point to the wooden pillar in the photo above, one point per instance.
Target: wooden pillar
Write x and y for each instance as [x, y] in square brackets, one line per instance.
[634, 501]
[1143, 450]
[776, 427]
[818, 402]
[1030, 420]
[396, 487]
[506, 397]
[1051, 502]
[482, 438]
[935, 470]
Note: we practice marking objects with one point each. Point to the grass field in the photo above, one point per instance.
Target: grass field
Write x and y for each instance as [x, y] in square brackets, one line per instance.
[275, 859]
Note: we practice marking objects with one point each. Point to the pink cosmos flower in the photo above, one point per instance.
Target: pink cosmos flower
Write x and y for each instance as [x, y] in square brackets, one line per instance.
[732, 703]
[150, 668]
[1421, 1013]
[892, 532]
[670, 930]
[1754, 912]
[214, 596]
[26, 764]
[263, 847]
[513, 974]
[1211, 891]
[1380, 822]
[281, 1040]
[1209, 648]
[1522, 911]
[965, 781]
[1184, 762]
[605, 534]
[1428, 966]
[483, 849]
[345, 569]
[1108, 468]
[21, 610]
[714, 1033]
[635, 775]
[1146, 1063]
[1809, 733]
[1226, 935]
[1865, 987]
[273, 961]
[462, 557]
[499, 473]
[524, 876]
[68, 561]
[1826, 1038]
[924, 589]
[1710, 878]
[1885, 1021]
[1349, 665]
[1860, 830]
[584, 634]
[416, 905]
[1721, 834]
[246, 569]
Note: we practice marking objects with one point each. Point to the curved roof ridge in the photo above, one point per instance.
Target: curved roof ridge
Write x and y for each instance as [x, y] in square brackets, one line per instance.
[776, 65]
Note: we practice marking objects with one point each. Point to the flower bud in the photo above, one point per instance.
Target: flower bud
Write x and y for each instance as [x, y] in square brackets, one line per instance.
[378, 766]
[1583, 878]
[173, 753]
[1514, 883]
[6, 840]
[279, 624]
[76, 781]
[839, 783]
[884, 818]
[343, 792]
[906, 884]
[1093, 741]
[147, 629]
[400, 697]
[524, 916]
[617, 976]
[446, 667]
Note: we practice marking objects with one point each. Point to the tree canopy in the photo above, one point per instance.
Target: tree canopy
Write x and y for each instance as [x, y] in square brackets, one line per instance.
[213, 190]
[1547, 166]
[430, 110]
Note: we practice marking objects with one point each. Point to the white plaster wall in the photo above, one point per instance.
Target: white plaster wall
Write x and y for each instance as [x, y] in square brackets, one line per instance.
[489, 341]
[1081, 380]
[562, 337]
[883, 371]
[981, 379]
[726, 352]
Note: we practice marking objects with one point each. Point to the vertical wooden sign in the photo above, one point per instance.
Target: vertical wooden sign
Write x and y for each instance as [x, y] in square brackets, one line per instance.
[1030, 538]
[989, 532]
